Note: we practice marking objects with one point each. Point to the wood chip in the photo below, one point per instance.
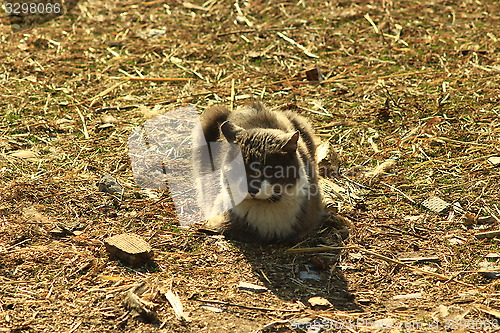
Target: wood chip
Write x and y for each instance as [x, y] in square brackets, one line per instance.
[495, 160]
[176, 304]
[251, 287]
[408, 296]
[25, 154]
[108, 119]
[436, 205]
[212, 308]
[130, 248]
[319, 302]
[469, 219]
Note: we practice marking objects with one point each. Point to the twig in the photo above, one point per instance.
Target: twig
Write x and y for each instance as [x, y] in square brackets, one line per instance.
[400, 192]
[189, 5]
[119, 108]
[345, 78]
[151, 79]
[84, 125]
[237, 32]
[291, 41]
[271, 325]
[487, 69]
[232, 94]
[355, 183]
[245, 306]
[247, 31]
[369, 19]
[323, 248]
[490, 311]
[441, 277]
[401, 231]
[101, 94]
[75, 326]
[240, 13]
[460, 142]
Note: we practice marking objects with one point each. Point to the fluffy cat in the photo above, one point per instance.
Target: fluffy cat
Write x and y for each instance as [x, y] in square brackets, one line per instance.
[278, 150]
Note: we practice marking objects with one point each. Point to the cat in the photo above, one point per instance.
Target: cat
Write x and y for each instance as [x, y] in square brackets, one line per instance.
[278, 149]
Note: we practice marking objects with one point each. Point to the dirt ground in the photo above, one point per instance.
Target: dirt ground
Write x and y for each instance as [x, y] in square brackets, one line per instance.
[415, 82]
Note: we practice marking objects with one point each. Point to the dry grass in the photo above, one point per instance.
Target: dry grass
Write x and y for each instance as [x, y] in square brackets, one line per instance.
[416, 81]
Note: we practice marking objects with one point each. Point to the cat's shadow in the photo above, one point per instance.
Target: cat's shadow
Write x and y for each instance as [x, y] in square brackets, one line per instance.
[298, 277]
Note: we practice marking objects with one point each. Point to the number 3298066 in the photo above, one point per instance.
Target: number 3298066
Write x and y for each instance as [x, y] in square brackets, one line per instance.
[30, 8]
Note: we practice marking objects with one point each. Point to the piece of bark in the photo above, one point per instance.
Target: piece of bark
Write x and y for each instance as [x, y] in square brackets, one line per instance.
[314, 74]
[130, 248]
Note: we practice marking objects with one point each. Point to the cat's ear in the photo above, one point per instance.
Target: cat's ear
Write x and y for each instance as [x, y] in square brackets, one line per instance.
[230, 131]
[291, 144]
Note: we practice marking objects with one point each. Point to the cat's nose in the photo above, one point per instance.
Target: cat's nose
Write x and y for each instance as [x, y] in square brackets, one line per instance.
[253, 188]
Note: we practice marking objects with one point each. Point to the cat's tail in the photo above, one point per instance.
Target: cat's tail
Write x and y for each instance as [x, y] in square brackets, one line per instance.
[211, 120]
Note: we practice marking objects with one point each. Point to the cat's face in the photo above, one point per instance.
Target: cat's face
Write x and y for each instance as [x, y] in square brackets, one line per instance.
[271, 161]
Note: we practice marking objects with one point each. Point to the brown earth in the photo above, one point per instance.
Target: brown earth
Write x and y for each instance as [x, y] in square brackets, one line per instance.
[417, 81]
